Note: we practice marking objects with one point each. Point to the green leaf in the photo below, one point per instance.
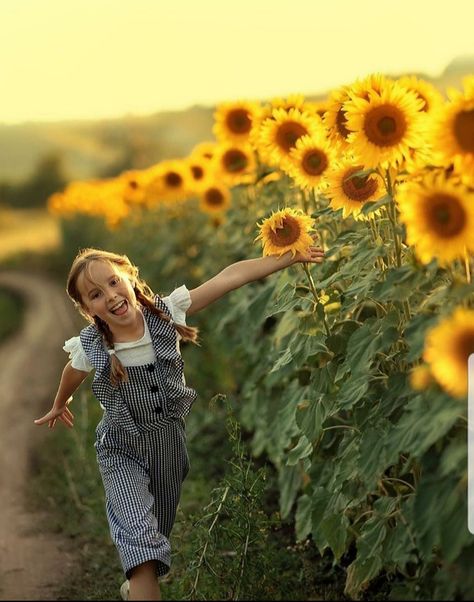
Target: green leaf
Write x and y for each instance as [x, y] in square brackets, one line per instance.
[398, 549]
[301, 450]
[289, 483]
[424, 422]
[361, 348]
[334, 529]
[310, 420]
[373, 458]
[352, 390]
[320, 499]
[372, 206]
[368, 562]
[303, 517]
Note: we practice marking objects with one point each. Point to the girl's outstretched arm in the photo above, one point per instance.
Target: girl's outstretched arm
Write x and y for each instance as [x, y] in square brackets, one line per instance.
[70, 380]
[242, 272]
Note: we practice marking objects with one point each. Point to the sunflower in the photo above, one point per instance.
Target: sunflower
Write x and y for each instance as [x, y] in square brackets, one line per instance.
[350, 192]
[215, 198]
[170, 182]
[135, 183]
[200, 171]
[285, 230]
[235, 164]
[375, 82]
[309, 160]
[294, 101]
[439, 217]
[447, 349]
[420, 377]
[385, 126]
[334, 118]
[317, 107]
[204, 151]
[428, 93]
[453, 131]
[278, 135]
[234, 120]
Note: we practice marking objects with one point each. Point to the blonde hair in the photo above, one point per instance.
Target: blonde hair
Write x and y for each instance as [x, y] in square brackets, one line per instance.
[143, 293]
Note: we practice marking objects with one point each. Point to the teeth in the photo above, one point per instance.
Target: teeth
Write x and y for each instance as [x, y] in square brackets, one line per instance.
[117, 306]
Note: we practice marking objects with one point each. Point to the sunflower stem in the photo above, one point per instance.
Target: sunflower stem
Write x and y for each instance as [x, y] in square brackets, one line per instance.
[375, 235]
[467, 267]
[305, 202]
[392, 215]
[312, 286]
[312, 196]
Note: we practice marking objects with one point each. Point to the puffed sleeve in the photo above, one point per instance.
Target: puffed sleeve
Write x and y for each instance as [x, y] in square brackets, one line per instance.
[178, 302]
[77, 354]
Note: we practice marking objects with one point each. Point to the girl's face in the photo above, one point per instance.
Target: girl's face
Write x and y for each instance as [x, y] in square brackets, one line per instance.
[107, 292]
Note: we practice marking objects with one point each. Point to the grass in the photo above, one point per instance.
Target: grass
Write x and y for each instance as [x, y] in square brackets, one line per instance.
[270, 567]
[11, 313]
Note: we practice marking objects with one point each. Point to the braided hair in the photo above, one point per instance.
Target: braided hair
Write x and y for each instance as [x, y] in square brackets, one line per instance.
[143, 294]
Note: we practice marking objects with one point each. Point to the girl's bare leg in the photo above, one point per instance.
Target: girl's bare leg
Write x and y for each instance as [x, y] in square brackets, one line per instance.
[144, 582]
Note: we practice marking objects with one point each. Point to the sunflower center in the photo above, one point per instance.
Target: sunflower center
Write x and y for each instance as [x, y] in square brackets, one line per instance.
[464, 130]
[197, 171]
[446, 215]
[358, 188]
[341, 123]
[214, 197]
[288, 133]
[287, 234]
[385, 125]
[173, 179]
[234, 160]
[238, 121]
[314, 162]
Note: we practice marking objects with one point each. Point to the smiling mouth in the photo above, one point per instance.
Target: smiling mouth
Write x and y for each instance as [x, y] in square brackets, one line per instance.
[120, 309]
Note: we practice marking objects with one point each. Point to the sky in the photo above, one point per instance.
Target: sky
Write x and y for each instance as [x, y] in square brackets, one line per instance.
[88, 59]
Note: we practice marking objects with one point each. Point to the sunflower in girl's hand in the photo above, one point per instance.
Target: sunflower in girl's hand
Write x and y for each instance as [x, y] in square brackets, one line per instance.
[289, 230]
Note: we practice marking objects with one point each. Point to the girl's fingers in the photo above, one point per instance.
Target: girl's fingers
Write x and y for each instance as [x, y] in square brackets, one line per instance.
[67, 421]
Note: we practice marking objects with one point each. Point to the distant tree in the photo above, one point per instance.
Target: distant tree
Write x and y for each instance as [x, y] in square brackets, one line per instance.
[47, 178]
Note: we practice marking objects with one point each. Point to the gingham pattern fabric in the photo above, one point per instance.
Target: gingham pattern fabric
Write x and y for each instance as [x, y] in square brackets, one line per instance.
[141, 443]
[142, 477]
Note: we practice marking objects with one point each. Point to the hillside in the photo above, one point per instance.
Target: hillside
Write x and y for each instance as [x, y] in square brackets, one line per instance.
[98, 148]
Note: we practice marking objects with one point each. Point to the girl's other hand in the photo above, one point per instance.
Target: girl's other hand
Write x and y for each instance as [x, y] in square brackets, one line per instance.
[313, 254]
[64, 414]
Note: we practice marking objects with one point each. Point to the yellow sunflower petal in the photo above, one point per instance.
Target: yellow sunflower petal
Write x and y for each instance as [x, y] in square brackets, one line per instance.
[439, 217]
[447, 349]
[285, 230]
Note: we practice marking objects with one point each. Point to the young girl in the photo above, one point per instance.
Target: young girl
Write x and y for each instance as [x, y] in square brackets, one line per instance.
[132, 343]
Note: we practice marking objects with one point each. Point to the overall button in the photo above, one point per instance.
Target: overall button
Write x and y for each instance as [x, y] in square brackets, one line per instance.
[154, 389]
[158, 410]
[150, 367]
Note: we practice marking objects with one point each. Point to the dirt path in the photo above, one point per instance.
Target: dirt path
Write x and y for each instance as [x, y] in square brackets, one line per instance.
[32, 564]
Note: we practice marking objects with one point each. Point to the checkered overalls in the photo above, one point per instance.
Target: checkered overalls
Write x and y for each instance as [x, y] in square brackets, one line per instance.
[141, 443]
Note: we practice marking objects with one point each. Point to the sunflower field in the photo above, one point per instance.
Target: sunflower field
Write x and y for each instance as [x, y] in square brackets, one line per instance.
[351, 375]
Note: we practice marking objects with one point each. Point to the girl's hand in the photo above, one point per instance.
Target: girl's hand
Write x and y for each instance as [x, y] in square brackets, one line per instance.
[313, 254]
[64, 414]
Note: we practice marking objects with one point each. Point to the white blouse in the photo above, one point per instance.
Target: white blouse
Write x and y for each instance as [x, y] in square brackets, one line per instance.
[139, 352]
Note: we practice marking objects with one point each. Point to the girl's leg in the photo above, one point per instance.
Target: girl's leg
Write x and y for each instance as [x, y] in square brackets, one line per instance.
[144, 582]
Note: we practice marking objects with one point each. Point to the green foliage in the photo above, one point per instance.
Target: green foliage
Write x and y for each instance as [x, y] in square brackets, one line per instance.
[47, 178]
[11, 313]
[324, 393]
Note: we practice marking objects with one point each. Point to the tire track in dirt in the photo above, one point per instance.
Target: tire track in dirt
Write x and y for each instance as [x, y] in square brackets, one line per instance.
[33, 562]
